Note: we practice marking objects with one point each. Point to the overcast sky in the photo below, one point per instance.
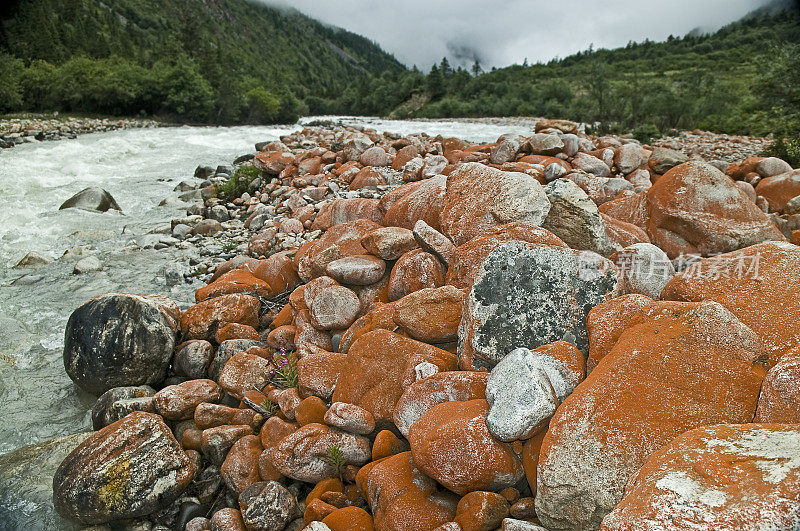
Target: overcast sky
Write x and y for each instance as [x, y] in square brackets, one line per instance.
[504, 32]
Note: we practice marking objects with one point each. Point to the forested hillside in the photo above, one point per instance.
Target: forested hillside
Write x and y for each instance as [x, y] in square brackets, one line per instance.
[728, 81]
[207, 60]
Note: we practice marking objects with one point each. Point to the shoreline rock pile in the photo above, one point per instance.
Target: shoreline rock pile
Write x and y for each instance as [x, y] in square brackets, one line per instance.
[41, 127]
[557, 331]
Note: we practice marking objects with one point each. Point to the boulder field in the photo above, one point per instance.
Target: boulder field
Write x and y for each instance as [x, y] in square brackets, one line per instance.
[558, 331]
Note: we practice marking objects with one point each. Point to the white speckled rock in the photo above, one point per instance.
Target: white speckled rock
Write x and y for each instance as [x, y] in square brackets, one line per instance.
[335, 308]
[521, 398]
[644, 269]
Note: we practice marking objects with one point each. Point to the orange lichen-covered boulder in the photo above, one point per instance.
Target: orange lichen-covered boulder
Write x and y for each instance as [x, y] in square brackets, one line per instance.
[479, 198]
[277, 271]
[630, 208]
[402, 497]
[317, 373]
[235, 281]
[759, 285]
[780, 393]
[452, 444]
[431, 315]
[381, 365]
[202, 320]
[339, 241]
[778, 190]
[441, 387]
[128, 469]
[696, 209]
[422, 201]
[414, 271]
[695, 366]
[744, 476]
[468, 257]
[345, 210]
[481, 511]
[349, 519]
[622, 234]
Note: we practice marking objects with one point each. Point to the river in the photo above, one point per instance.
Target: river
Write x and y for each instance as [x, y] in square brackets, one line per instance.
[140, 167]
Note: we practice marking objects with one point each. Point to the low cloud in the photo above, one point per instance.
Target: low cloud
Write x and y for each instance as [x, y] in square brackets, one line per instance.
[421, 32]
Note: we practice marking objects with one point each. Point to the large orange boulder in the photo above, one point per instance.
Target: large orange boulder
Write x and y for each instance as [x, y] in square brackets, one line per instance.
[202, 320]
[468, 257]
[235, 281]
[277, 271]
[480, 198]
[778, 190]
[414, 271]
[452, 444]
[422, 201]
[402, 497]
[345, 210]
[780, 393]
[628, 208]
[744, 476]
[380, 366]
[696, 209]
[449, 386]
[431, 315]
[697, 365]
[759, 285]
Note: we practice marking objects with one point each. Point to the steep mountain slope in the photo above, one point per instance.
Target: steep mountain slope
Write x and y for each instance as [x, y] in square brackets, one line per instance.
[232, 42]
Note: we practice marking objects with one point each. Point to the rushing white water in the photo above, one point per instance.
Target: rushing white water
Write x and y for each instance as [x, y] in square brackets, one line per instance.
[139, 167]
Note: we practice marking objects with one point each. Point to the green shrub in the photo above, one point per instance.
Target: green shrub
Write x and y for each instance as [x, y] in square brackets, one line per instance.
[787, 149]
[239, 182]
[646, 133]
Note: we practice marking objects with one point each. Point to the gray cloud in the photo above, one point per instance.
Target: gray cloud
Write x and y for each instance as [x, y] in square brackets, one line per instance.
[503, 32]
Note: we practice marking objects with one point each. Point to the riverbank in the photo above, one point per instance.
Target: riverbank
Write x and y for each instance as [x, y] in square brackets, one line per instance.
[26, 128]
[342, 303]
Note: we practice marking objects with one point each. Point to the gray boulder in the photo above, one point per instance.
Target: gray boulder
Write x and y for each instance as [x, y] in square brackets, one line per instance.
[531, 296]
[92, 198]
[120, 339]
[574, 218]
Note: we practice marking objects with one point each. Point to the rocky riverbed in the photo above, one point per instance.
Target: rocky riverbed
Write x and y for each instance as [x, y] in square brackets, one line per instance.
[30, 128]
[413, 331]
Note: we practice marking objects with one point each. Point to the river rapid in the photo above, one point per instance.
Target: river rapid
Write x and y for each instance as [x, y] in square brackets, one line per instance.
[140, 168]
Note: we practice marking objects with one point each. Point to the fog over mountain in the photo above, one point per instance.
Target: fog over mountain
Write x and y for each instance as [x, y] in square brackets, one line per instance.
[421, 32]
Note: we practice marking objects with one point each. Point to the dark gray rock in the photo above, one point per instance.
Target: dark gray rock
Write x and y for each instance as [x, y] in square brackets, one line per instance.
[529, 296]
[129, 469]
[92, 198]
[203, 172]
[267, 506]
[119, 339]
[664, 159]
[26, 485]
[106, 409]
[193, 358]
